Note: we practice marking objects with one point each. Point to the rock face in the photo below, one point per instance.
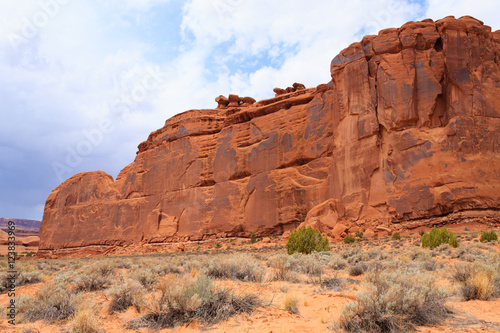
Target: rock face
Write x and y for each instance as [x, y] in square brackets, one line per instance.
[407, 130]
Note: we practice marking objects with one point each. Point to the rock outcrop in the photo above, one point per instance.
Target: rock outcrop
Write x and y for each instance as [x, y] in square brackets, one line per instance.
[406, 132]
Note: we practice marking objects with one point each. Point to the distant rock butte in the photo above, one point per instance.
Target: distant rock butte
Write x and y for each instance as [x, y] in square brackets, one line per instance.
[407, 133]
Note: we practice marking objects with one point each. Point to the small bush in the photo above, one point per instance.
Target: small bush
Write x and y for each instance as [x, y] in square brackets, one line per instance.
[358, 234]
[51, 304]
[394, 302]
[238, 267]
[349, 240]
[477, 282]
[291, 304]
[85, 321]
[253, 238]
[146, 277]
[282, 268]
[437, 237]
[396, 236]
[488, 236]
[306, 240]
[357, 269]
[336, 262]
[125, 296]
[184, 300]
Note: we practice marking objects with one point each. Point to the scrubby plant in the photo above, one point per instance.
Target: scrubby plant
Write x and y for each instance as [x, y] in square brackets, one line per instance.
[477, 281]
[51, 304]
[437, 237]
[186, 299]
[125, 296]
[305, 240]
[20, 278]
[253, 238]
[358, 234]
[146, 277]
[394, 302]
[282, 269]
[291, 304]
[349, 239]
[85, 321]
[396, 236]
[357, 269]
[489, 236]
[237, 266]
[336, 262]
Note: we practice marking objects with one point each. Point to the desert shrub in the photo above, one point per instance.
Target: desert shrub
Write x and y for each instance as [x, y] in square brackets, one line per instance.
[488, 236]
[429, 264]
[52, 303]
[193, 298]
[357, 269]
[358, 234]
[396, 236]
[146, 277]
[394, 302]
[477, 281]
[291, 304]
[282, 270]
[349, 239]
[253, 238]
[437, 237]
[21, 278]
[91, 281]
[237, 266]
[336, 262]
[94, 277]
[125, 296]
[305, 240]
[332, 283]
[85, 321]
[307, 264]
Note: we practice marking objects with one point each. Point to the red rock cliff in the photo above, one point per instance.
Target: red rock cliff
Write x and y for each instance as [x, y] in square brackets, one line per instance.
[408, 129]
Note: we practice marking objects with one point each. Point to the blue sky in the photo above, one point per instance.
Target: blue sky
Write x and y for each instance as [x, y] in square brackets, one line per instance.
[82, 83]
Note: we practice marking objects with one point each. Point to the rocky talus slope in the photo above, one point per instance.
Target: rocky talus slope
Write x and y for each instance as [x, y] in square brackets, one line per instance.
[406, 133]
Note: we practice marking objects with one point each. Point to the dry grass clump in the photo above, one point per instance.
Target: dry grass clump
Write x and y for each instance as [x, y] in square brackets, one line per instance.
[21, 278]
[336, 262]
[281, 269]
[146, 277]
[237, 266]
[307, 264]
[394, 302]
[126, 295]
[291, 304]
[186, 299]
[85, 321]
[95, 277]
[357, 269]
[477, 281]
[52, 303]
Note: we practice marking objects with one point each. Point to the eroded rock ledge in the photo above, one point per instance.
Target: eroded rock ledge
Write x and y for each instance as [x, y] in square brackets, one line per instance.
[406, 132]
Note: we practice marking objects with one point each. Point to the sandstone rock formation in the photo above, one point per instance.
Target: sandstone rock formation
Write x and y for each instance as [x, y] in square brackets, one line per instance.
[406, 132]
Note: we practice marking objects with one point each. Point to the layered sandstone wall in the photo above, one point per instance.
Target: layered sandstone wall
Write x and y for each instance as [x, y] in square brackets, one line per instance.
[408, 129]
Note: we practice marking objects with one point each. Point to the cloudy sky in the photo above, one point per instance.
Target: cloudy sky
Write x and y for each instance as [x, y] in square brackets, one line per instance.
[83, 82]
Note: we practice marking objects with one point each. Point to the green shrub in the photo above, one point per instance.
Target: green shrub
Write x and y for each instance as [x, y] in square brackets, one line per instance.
[489, 236]
[358, 234]
[349, 240]
[437, 237]
[306, 240]
[396, 236]
[253, 238]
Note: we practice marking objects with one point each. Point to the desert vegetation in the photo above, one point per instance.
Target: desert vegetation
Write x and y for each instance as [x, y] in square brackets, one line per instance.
[384, 284]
